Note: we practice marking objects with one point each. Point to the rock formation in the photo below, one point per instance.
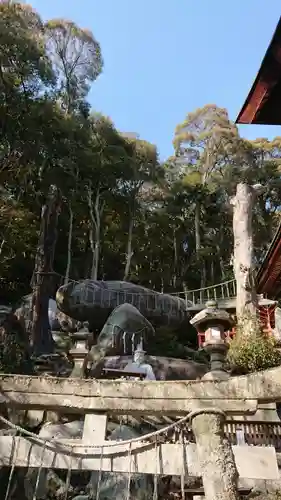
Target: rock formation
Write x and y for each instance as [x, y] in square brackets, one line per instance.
[94, 301]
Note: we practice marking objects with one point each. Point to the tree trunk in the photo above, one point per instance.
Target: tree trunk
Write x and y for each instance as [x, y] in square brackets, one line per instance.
[43, 282]
[212, 271]
[197, 227]
[129, 253]
[175, 259]
[96, 254]
[203, 277]
[69, 245]
[198, 243]
[185, 289]
[95, 212]
[221, 263]
[246, 299]
[219, 473]
[2, 245]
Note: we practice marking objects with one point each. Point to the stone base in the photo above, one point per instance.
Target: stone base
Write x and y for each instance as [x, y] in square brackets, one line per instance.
[216, 375]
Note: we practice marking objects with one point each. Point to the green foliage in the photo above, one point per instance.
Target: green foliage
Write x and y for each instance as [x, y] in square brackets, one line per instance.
[261, 495]
[168, 342]
[14, 347]
[24, 62]
[251, 350]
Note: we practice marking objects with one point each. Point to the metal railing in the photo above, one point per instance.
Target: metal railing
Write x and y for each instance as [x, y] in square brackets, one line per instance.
[225, 290]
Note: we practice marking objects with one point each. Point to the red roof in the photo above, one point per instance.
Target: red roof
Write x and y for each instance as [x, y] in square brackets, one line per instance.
[263, 104]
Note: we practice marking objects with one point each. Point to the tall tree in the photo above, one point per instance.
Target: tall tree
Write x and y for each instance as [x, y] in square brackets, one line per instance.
[203, 143]
[76, 58]
[77, 62]
[143, 170]
[103, 178]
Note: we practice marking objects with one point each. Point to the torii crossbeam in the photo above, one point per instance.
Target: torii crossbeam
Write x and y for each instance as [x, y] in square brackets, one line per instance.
[237, 395]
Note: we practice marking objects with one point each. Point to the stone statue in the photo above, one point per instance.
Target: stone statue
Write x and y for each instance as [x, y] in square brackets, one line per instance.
[139, 365]
[94, 301]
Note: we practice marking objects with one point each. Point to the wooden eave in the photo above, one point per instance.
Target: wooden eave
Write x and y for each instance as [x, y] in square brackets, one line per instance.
[263, 104]
[268, 279]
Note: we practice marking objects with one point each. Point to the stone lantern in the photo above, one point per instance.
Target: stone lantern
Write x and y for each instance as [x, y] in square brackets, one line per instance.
[214, 322]
[79, 351]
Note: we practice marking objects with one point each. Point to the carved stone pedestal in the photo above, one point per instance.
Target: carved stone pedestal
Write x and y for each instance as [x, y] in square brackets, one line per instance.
[219, 473]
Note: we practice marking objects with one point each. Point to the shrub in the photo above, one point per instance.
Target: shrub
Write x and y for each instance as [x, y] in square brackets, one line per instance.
[251, 350]
[14, 346]
[266, 495]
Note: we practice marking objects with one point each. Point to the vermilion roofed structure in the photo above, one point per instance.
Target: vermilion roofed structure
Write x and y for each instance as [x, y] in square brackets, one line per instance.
[269, 275]
[263, 104]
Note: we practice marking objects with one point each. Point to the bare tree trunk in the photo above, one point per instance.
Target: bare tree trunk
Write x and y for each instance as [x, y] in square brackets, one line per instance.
[2, 245]
[203, 275]
[95, 212]
[219, 473]
[129, 252]
[92, 245]
[198, 242]
[43, 282]
[197, 227]
[221, 263]
[69, 245]
[175, 258]
[185, 289]
[246, 301]
[96, 255]
[212, 272]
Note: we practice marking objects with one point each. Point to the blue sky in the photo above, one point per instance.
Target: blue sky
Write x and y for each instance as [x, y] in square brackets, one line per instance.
[164, 58]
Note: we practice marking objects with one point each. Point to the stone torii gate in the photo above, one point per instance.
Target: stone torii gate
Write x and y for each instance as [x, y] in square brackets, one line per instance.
[205, 402]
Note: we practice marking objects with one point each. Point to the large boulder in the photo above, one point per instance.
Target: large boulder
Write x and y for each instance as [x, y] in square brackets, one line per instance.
[94, 301]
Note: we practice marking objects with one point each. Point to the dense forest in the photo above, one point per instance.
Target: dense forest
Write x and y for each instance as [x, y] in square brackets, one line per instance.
[119, 211]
